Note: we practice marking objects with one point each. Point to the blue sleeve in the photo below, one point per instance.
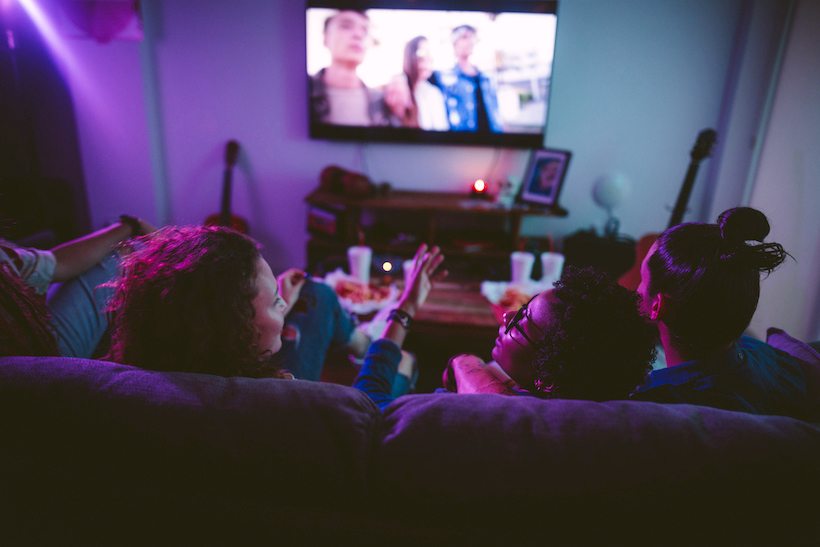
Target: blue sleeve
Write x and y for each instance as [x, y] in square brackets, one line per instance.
[380, 367]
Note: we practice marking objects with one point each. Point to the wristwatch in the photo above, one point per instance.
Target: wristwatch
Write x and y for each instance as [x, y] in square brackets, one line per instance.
[134, 223]
[401, 317]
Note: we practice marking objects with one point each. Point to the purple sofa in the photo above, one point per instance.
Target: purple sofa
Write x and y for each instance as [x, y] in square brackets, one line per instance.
[95, 451]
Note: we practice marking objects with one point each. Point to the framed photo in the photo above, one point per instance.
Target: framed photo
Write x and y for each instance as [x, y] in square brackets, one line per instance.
[545, 175]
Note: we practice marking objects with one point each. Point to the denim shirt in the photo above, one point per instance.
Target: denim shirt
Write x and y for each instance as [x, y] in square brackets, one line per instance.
[751, 376]
[460, 98]
[381, 364]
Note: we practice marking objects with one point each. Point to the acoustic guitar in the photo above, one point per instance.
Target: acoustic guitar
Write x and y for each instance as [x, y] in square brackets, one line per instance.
[225, 217]
[701, 150]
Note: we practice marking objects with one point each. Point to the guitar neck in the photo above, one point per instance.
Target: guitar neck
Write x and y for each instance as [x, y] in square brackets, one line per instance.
[683, 195]
[225, 210]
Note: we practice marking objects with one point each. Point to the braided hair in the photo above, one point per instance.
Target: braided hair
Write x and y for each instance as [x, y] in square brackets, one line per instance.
[24, 326]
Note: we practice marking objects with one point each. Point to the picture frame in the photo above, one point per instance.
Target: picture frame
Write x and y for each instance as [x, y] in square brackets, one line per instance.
[545, 176]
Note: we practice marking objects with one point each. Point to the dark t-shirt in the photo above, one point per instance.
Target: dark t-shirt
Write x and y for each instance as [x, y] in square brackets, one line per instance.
[480, 107]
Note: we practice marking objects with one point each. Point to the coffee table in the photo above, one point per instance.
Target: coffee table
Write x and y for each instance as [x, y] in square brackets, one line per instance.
[458, 309]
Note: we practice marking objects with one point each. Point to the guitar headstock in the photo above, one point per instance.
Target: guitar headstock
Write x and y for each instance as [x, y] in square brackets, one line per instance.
[231, 153]
[704, 144]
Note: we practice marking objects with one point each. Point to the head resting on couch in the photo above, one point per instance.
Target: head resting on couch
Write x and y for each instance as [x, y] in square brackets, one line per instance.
[185, 301]
[596, 344]
[702, 281]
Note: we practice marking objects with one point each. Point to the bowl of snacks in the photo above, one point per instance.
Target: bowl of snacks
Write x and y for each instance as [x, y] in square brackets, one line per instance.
[506, 296]
[361, 298]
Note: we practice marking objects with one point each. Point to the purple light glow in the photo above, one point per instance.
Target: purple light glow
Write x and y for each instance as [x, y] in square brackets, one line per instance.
[66, 60]
[84, 90]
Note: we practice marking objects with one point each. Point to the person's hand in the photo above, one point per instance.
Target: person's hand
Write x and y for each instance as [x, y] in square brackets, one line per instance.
[421, 279]
[397, 96]
[290, 285]
[470, 374]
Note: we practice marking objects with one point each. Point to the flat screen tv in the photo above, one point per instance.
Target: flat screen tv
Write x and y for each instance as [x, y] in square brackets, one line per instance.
[457, 72]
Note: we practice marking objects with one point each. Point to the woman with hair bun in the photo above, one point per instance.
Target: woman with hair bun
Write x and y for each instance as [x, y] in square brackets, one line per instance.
[700, 284]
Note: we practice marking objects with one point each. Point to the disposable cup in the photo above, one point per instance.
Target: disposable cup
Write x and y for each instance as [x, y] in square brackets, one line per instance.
[552, 264]
[407, 266]
[359, 258]
[521, 266]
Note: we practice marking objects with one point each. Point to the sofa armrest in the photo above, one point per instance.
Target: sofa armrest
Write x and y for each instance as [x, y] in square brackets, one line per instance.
[809, 360]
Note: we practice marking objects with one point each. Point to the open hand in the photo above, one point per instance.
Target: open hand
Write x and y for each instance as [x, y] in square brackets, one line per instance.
[422, 278]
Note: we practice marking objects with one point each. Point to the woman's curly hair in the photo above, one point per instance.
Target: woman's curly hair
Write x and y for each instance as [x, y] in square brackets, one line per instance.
[598, 345]
[183, 302]
[24, 326]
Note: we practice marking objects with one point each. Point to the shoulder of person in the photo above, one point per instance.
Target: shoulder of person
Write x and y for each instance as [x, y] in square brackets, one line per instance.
[447, 77]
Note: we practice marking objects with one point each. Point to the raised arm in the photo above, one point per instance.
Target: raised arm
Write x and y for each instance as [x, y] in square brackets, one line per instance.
[76, 256]
[383, 357]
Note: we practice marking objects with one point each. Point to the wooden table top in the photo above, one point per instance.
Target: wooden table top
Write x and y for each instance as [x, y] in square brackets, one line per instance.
[459, 305]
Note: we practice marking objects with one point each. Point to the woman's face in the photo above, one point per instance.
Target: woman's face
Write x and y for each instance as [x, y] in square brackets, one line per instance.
[268, 308]
[547, 174]
[424, 60]
[512, 351]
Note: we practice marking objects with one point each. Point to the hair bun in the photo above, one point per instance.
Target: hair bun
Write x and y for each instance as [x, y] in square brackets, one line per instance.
[743, 224]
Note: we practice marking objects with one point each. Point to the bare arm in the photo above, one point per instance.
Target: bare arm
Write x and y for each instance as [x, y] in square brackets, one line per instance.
[416, 291]
[384, 359]
[470, 374]
[78, 255]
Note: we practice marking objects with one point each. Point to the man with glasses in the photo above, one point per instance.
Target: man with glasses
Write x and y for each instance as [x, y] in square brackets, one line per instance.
[584, 339]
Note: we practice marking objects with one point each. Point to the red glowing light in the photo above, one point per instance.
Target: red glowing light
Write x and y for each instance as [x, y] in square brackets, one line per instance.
[479, 186]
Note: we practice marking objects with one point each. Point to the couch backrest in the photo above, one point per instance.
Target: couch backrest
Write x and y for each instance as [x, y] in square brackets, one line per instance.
[561, 468]
[78, 432]
[94, 444]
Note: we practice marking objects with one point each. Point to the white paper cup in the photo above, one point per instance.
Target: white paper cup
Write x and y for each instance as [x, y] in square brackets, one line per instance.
[521, 266]
[552, 264]
[359, 258]
[407, 266]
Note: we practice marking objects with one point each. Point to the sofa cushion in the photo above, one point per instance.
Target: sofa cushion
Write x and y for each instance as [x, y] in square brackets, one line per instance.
[809, 361]
[473, 461]
[89, 434]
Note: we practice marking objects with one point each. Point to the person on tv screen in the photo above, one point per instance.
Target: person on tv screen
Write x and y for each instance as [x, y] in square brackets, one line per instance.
[470, 95]
[427, 99]
[337, 94]
[546, 177]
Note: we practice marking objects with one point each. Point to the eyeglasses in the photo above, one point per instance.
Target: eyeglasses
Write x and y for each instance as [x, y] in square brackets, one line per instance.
[513, 322]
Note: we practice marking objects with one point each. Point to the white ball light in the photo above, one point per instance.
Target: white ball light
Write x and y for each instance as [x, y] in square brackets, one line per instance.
[610, 190]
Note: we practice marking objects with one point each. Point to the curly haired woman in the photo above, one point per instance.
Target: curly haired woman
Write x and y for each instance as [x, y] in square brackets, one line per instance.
[203, 299]
[584, 339]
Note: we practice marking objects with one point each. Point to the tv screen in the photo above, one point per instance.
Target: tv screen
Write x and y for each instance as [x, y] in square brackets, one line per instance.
[457, 72]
